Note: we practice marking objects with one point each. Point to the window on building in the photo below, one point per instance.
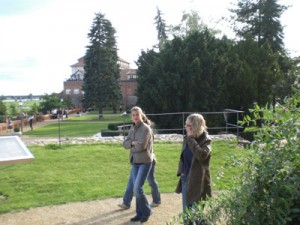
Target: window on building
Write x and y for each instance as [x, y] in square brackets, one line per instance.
[76, 91]
[68, 91]
[129, 77]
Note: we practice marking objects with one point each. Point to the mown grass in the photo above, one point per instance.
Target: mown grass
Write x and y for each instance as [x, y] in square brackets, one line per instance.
[95, 171]
[83, 126]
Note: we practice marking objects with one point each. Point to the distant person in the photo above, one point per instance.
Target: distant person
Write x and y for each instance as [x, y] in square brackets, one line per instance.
[140, 142]
[9, 126]
[30, 120]
[193, 166]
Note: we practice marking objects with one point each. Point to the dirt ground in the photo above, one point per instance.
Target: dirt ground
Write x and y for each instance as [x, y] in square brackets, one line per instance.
[101, 212]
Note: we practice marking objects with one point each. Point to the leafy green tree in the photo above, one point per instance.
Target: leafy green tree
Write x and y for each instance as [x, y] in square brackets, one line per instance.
[101, 79]
[13, 109]
[67, 103]
[190, 22]
[50, 102]
[2, 111]
[34, 109]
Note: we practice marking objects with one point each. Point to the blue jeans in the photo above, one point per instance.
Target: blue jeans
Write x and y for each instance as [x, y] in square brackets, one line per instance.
[152, 183]
[139, 173]
[184, 190]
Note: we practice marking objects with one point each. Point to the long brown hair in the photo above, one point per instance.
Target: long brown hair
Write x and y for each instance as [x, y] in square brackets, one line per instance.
[140, 112]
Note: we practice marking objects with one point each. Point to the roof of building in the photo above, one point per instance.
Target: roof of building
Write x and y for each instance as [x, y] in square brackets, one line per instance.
[80, 62]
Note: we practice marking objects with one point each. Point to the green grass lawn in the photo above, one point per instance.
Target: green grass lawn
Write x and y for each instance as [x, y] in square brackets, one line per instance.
[83, 126]
[94, 171]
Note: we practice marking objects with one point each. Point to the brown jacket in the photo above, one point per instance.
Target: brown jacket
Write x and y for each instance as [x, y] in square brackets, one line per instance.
[198, 181]
[142, 152]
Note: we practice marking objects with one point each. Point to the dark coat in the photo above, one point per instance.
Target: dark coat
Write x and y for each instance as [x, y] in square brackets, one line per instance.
[198, 180]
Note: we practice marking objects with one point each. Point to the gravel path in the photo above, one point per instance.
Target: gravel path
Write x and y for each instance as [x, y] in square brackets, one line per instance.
[101, 212]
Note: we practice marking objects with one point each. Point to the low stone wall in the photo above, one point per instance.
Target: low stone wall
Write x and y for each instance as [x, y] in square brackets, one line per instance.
[176, 138]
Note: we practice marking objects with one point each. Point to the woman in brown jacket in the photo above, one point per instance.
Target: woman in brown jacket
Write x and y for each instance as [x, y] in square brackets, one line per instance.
[140, 142]
[193, 167]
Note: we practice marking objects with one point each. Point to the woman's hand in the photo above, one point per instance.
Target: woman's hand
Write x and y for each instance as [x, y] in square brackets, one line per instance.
[188, 128]
[189, 131]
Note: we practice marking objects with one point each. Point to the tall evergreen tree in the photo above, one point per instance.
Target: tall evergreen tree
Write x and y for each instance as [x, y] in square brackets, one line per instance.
[101, 80]
[161, 28]
[259, 19]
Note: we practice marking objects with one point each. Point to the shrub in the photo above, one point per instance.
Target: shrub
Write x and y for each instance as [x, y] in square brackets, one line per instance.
[114, 126]
[109, 133]
[249, 134]
[16, 129]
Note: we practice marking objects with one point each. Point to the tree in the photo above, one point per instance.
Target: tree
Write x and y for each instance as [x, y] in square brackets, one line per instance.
[259, 19]
[101, 80]
[49, 103]
[190, 22]
[161, 28]
[2, 112]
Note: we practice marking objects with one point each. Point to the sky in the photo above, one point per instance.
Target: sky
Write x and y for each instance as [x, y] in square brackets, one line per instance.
[41, 39]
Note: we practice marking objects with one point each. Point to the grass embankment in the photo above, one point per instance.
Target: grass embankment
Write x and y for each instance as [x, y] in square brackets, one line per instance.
[94, 171]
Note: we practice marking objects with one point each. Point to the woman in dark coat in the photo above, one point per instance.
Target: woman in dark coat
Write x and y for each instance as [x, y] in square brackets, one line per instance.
[193, 167]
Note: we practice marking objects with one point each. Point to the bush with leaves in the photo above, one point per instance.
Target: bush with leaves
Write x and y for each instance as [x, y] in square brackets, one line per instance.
[268, 190]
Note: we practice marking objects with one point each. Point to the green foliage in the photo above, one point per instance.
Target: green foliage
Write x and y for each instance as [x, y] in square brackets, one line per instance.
[50, 102]
[161, 28]
[260, 20]
[16, 129]
[268, 190]
[114, 126]
[2, 109]
[34, 108]
[13, 109]
[101, 79]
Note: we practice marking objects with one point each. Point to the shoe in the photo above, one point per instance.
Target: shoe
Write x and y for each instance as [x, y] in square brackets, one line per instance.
[144, 219]
[123, 206]
[154, 204]
[135, 219]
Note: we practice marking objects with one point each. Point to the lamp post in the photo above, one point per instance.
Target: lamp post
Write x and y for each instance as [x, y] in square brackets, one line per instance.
[21, 114]
[62, 109]
[59, 114]
[123, 115]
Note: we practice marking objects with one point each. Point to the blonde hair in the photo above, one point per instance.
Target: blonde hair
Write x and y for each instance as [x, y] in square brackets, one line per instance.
[140, 112]
[198, 123]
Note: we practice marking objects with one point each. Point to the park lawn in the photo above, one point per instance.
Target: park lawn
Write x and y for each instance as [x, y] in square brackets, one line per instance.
[85, 172]
[81, 126]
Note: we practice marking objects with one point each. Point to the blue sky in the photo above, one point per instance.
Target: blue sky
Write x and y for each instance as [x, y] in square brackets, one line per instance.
[40, 39]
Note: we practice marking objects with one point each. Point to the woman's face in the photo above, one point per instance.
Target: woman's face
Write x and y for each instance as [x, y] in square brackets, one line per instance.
[136, 117]
[188, 127]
